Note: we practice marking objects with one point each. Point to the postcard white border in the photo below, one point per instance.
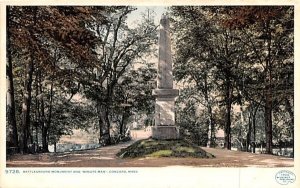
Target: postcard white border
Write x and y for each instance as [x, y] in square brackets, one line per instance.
[148, 177]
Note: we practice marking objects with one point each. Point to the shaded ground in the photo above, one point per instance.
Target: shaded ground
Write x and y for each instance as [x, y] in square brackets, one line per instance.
[101, 157]
[106, 157]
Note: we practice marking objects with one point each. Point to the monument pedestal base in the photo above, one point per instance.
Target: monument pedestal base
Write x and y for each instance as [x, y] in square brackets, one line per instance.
[165, 132]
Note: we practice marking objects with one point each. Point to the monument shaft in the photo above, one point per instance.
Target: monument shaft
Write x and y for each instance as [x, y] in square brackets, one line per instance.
[165, 94]
[165, 76]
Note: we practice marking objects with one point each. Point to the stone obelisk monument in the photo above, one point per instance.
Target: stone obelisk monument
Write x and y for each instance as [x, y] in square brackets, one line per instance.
[165, 127]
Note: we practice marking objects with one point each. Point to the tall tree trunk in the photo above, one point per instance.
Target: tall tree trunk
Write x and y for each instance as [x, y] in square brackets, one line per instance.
[228, 115]
[268, 100]
[104, 112]
[43, 118]
[228, 95]
[248, 142]
[44, 129]
[291, 114]
[212, 127]
[26, 104]
[253, 122]
[254, 132]
[49, 118]
[268, 127]
[122, 123]
[12, 136]
[104, 125]
[37, 137]
[37, 109]
[211, 131]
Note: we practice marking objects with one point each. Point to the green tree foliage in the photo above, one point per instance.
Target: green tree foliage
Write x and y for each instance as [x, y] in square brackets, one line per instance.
[191, 118]
[64, 66]
[242, 56]
[37, 40]
[120, 48]
[133, 96]
[270, 35]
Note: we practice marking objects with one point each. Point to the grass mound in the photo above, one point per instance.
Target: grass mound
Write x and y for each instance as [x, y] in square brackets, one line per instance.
[163, 148]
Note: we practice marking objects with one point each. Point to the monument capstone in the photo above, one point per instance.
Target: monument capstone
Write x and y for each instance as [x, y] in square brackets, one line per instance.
[165, 94]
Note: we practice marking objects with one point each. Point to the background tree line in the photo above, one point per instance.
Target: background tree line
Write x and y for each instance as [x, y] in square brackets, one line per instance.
[242, 57]
[73, 67]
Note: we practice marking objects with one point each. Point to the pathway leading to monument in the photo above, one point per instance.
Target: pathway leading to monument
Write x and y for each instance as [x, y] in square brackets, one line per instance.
[106, 157]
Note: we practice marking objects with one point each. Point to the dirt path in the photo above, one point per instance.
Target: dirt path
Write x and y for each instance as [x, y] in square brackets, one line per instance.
[106, 157]
[245, 159]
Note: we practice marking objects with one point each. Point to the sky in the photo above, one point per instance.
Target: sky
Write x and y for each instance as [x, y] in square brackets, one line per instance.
[136, 15]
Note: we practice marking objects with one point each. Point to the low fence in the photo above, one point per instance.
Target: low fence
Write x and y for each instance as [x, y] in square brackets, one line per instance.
[72, 147]
[285, 152]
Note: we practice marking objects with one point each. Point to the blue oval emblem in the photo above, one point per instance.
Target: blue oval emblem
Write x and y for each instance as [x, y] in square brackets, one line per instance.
[285, 177]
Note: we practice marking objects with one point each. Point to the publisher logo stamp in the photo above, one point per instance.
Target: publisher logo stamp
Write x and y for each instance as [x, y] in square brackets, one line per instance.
[285, 177]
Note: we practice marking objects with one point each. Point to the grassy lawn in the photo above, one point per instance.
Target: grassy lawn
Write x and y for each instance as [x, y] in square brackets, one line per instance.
[163, 148]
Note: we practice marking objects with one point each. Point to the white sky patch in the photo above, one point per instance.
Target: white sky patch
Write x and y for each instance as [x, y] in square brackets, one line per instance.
[136, 16]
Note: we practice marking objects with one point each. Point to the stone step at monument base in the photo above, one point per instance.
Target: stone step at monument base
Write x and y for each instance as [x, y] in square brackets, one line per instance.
[165, 132]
